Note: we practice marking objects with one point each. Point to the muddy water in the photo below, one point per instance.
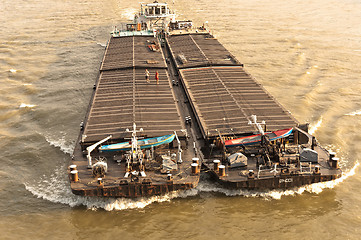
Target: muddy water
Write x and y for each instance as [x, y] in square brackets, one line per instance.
[306, 53]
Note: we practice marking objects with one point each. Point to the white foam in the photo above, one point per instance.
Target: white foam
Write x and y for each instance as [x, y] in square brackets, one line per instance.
[56, 189]
[102, 44]
[60, 143]
[12, 70]
[355, 113]
[129, 13]
[24, 105]
[278, 194]
[313, 128]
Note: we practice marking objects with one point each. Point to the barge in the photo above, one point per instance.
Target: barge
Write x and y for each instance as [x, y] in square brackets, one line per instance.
[169, 99]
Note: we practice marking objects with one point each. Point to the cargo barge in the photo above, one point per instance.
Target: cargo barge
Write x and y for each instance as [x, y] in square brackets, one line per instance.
[169, 99]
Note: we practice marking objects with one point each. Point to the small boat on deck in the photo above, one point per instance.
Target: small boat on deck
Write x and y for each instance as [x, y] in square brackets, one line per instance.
[143, 143]
[254, 139]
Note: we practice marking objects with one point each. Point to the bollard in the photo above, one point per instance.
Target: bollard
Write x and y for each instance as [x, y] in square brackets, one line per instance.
[100, 181]
[72, 167]
[195, 160]
[317, 169]
[332, 155]
[216, 165]
[334, 162]
[222, 170]
[250, 173]
[74, 176]
[195, 169]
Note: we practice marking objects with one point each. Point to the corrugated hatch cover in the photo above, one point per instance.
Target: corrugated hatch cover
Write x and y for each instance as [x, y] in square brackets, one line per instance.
[223, 97]
[123, 96]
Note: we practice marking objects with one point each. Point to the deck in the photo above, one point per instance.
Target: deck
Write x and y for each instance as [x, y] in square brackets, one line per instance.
[123, 96]
[222, 94]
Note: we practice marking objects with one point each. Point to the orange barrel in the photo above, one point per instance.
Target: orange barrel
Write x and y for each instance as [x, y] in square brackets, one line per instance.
[195, 169]
[74, 176]
[139, 27]
[216, 165]
[72, 167]
[222, 171]
[334, 162]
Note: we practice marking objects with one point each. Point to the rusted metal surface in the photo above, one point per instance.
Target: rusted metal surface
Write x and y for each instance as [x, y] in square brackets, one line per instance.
[284, 181]
[287, 172]
[132, 51]
[225, 97]
[133, 190]
[123, 96]
[194, 50]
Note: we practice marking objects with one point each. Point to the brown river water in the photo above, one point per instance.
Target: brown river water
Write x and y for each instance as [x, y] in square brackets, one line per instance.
[306, 53]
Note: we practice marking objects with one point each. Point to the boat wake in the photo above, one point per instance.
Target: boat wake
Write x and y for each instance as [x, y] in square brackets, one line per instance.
[128, 14]
[314, 127]
[102, 44]
[355, 113]
[24, 105]
[55, 188]
[60, 143]
[278, 194]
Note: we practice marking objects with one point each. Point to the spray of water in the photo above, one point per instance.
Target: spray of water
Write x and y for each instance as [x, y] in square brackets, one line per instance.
[355, 113]
[314, 127]
[60, 143]
[24, 105]
[55, 188]
[129, 13]
[315, 188]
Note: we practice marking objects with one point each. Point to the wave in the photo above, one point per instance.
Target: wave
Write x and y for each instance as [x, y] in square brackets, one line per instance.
[278, 194]
[129, 13]
[12, 70]
[355, 113]
[24, 105]
[60, 143]
[314, 127]
[56, 189]
[102, 44]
